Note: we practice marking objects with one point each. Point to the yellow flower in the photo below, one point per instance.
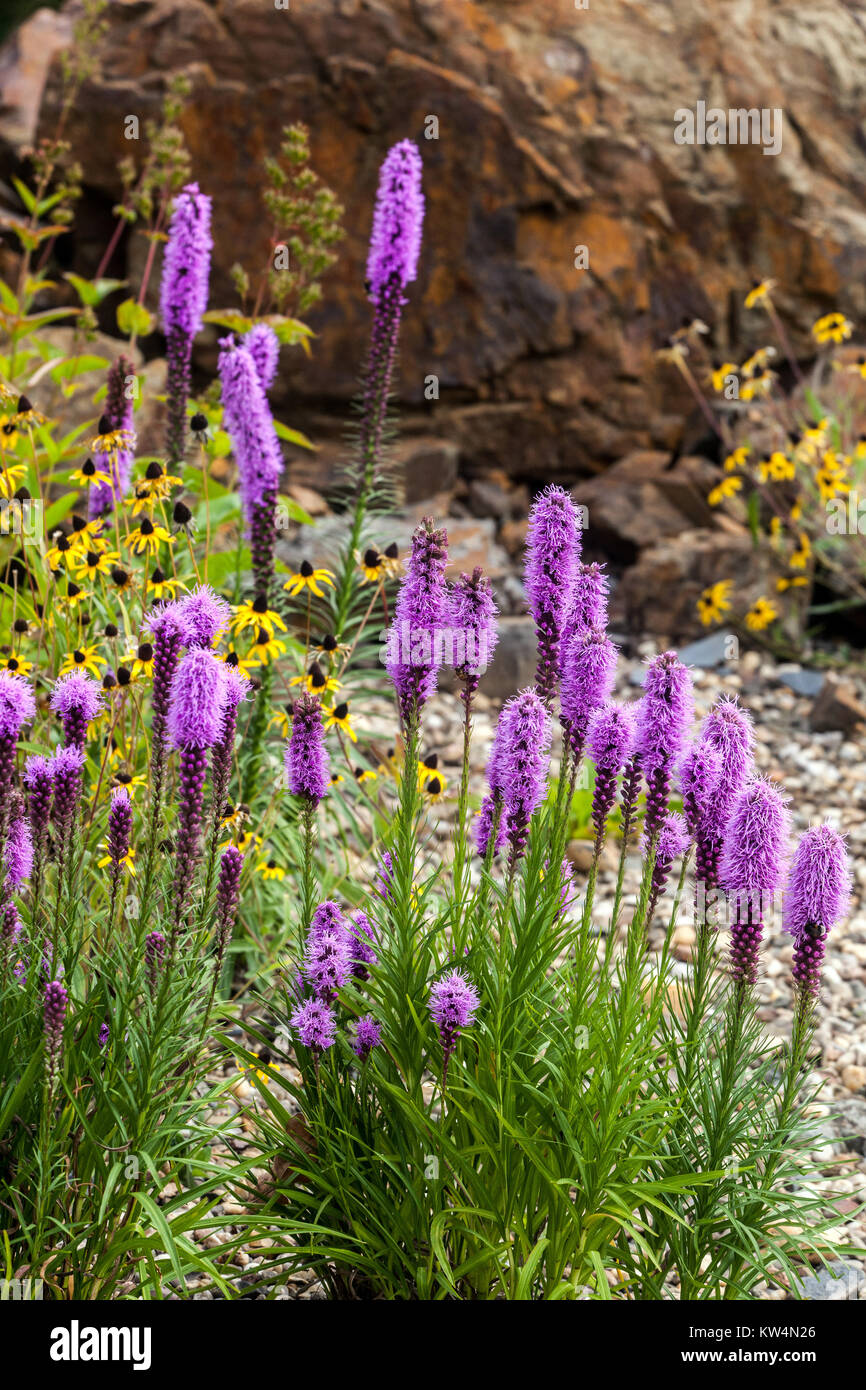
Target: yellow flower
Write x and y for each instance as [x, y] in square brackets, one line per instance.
[737, 459]
[728, 487]
[74, 595]
[17, 665]
[89, 473]
[775, 527]
[832, 328]
[248, 841]
[161, 585]
[859, 367]
[131, 781]
[308, 578]
[8, 433]
[127, 862]
[720, 374]
[92, 562]
[61, 552]
[256, 614]
[265, 648]
[796, 581]
[147, 536]
[434, 788]
[758, 361]
[82, 659]
[759, 292]
[713, 602]
[796, 512]
[757, 386]
[428, 767]
[242, 664]
[10, 478]
[372, 565]
[280, 720]
[155, 486]
[338, 718]
[88, 535]
[112, 442]
[777, 468]
[800, 558]
[255, 1071]
[142, 660]
[393, 563]
[316, 681]
[330, 647]
[269, 868]
[364, 774]
[760, 615]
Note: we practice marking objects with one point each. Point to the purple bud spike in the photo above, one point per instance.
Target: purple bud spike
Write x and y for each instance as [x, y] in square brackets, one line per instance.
[68, 766]
[817, 897]
[227, 896]
[610, 740]
[753, 863]
[552, 557]
[700, 774]
[473, 628]
[588, 674]
[119, 825]
[525, 740]
[154, 954]
[672, 841]
[415, 642]
[54, 1013]
[363, 935]
[306, 758]
[664, 718]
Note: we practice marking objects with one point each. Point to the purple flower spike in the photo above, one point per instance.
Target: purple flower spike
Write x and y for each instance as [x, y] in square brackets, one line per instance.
[700, 775]
[416, 640]
[753, 863]
[328, 961]
[728, 729]
[328, 917]
[306, 758]
[118, 414]
[263, 345]
[588, 675]
[227, 897]
[19, 852]
[77, 699]
[453, 1006]
[17, 705]
[664, 718]
[248, 420]
[672, 842]
[315, 1024]
[198, 694]
[165, 625]
[363, 935]
[398, 219]
[68, 766]
[39, 780]
[204, 615]
[368, 1035]
[610, 740]
[54, 1014]
[119, 826]
[183, 300]
[484, 825]
[552, 557]
[154, 955]
[473, 628]
[382, 884]
[525, 741]
[588, 607]
[817, 897]
[104, 1036]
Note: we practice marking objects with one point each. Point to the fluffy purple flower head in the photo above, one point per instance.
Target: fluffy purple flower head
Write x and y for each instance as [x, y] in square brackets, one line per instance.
[819, 888]
[306, 758]
[728, 730]
[328, 961]
[588, 607]
[611, 736]
[315, 1024]
[19, 852]
[186, 264]
[204, 614]
[473, 624]
[66, 762]
[38, 771]
[17, 704]
[77, 699]
[415, 642]
[552, 557]
[248, 420]
[197, 701]
[328, 917]
[525, 734]
[588, 675]
[263, 345]
[398, 220]
[756, 842]
[165, 620]
[699, 776]
[453, 1006]
[671, 843]
[665, 713]
[368, 1035]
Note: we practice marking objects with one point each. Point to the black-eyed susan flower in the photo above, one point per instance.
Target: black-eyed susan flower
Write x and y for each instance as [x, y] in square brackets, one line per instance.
[199, 425]
[155, 486]
[281, 720]
[434, 788]
[123, 777]
[265, 648]
[832, 328]
[758, 362]
[73, 596]
[757, 386]
[87, 563]
[777, 468]
[738, 458]
[316, 681]
[61, 551]
[182, 519]
[10, 477]
[800, 558]
[82, 659]
[728, 487]
[335, 779]
[428, 766]
[338, 718]
[393, 563]
[109, 441]
[270, 869]
[8, 433]
[26, 414]
[306, 577]
[121, 579]
[363, 774]
[162, 586]
[87, 535]
[713, 602]
[720, 374]
[247, 841]
[793, 581]
[142, 661]
[255, 613]
[330, 647]
[371, 563]
[16, 664]
[89, 472]
[759, 293]
[242, 664]
[127, 862]
[147, 537]
[760, 615]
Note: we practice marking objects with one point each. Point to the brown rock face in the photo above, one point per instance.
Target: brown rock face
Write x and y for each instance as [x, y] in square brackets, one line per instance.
[554, 130]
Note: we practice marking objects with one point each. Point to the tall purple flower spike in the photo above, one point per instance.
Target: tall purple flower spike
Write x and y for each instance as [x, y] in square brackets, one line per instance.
[398, 219]
[263, 345]
[183, 300]
[699, 776]
[453, 1005]
[118, 414]
[473, 628]
[306, 757]
[588, 607]
[119, 826]
[77, 699]
[415, 648]
[553, 546]
[525, 742]
[610, 741]
[368, 1035]
[195, 723]
[17, 708]
[817, 897]
[54, 1014]
[672, 841]
[664, 719]
[753, 863]
[227, 898]
[588, 674]
[154, 955]
[19, 851]
[248, 420]
[68, 766]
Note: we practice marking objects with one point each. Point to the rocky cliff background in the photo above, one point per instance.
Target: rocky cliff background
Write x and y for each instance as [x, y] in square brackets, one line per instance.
[555, 130]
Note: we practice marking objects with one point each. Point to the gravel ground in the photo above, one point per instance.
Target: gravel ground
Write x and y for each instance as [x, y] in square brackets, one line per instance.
[825, 775]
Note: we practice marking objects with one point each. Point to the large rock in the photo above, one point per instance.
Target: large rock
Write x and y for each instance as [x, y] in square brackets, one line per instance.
[555, 130]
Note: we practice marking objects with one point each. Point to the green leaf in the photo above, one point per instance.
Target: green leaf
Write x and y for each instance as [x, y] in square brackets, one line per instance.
[293, 436]
[92, 292]
[26, 195]
[133, 318]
